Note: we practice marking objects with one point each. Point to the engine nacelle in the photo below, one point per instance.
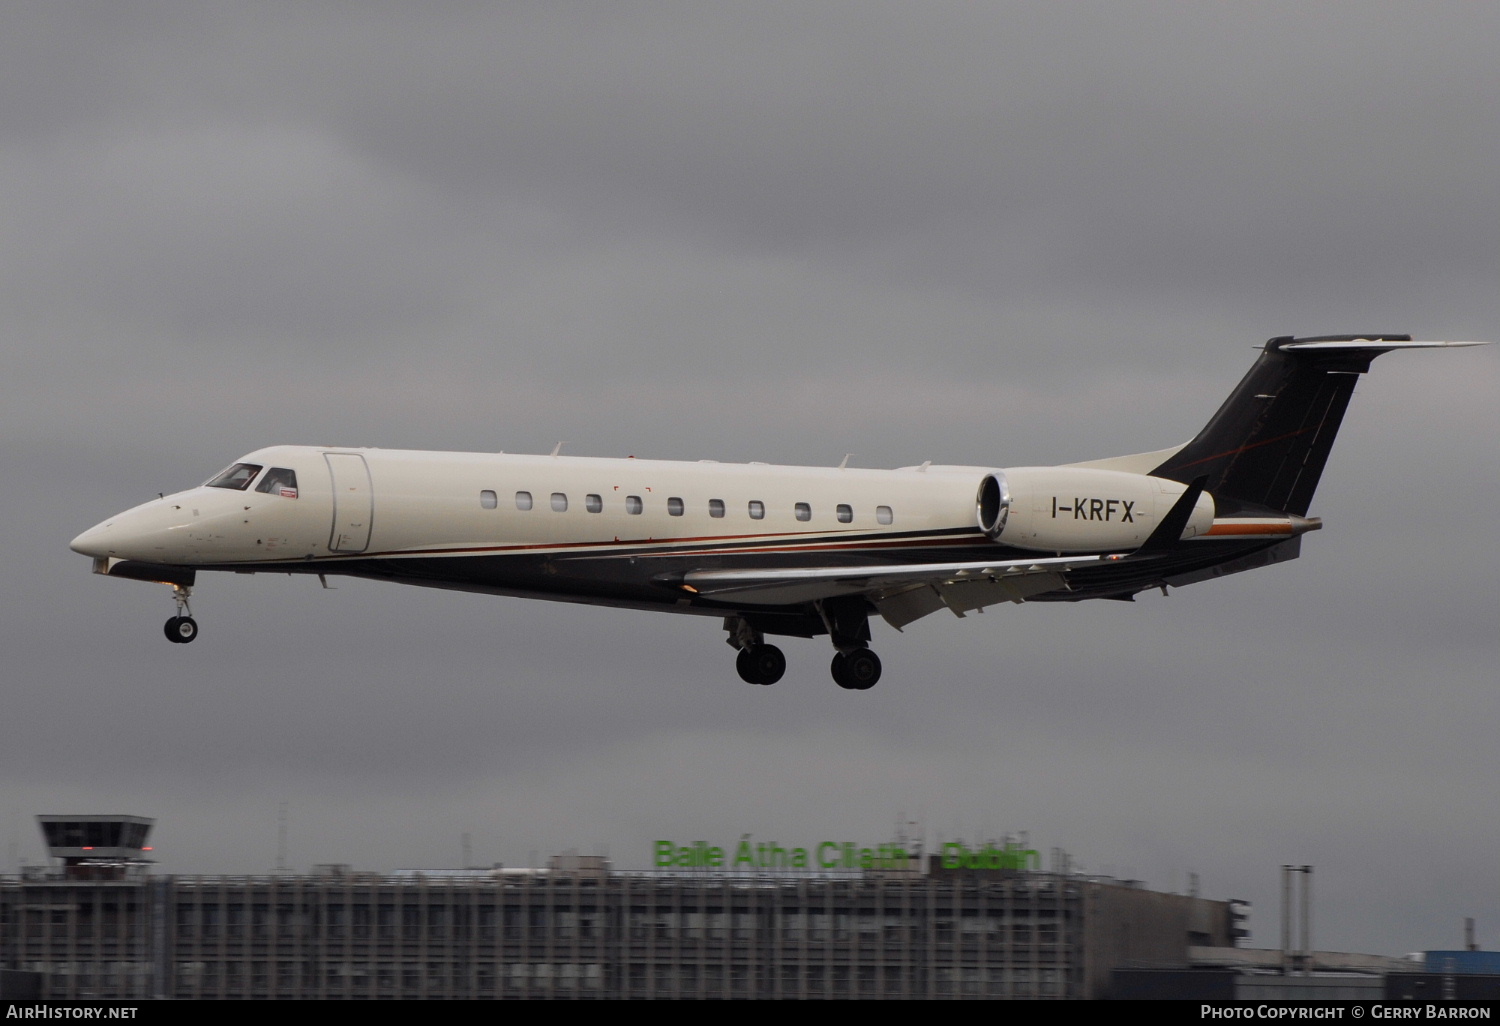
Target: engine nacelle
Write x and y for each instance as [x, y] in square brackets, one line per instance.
[1079, 509]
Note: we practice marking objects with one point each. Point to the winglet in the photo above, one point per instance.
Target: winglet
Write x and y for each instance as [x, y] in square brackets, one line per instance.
[1169, 532]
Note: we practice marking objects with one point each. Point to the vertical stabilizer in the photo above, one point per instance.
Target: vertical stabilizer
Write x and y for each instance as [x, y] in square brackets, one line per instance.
[1268, 443]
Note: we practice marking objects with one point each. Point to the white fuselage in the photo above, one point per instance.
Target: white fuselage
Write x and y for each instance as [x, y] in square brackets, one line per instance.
[353, 504]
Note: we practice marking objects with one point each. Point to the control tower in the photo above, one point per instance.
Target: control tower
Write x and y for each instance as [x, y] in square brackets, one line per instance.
[98, 847]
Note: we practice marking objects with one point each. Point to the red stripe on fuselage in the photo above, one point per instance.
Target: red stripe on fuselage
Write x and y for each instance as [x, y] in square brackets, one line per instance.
[774, 543]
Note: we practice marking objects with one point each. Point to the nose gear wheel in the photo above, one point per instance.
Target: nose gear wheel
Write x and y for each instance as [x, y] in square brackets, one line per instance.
[181, 629]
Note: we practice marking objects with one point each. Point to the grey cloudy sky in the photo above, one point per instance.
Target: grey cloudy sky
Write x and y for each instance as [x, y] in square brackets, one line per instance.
[998, 234]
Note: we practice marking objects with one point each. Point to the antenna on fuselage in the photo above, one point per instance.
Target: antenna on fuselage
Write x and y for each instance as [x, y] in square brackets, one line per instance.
[847, 457]
[557, 449]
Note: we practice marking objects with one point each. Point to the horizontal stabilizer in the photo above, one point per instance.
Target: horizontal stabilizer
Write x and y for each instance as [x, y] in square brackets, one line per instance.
[1372, 345]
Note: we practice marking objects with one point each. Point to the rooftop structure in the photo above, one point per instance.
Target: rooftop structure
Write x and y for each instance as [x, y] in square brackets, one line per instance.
[97, 847]
[581, 929]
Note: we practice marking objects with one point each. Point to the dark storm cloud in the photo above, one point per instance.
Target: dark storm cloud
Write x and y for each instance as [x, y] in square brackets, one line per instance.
[1000, 234]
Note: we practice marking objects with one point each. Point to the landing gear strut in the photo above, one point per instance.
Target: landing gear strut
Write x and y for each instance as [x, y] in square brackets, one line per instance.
[181, 628]
[855, 667]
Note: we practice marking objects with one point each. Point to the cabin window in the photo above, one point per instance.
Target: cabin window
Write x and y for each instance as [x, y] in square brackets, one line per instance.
[716, 507]
[523, 500]
[675, 506]
[488, 499]
[559, 502]
[593, 503]
[280, 481]
[633, 504]
[237, 477]
[804, 511]
[883, 515]
[757, 510]
[845, 513]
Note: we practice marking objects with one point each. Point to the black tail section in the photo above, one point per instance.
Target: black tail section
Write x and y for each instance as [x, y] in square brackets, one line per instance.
[1268, 443]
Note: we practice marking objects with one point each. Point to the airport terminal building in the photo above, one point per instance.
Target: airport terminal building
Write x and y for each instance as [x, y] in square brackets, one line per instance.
[103, 926]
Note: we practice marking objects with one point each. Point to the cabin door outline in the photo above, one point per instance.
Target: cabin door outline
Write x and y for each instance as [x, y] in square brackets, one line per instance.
[353, 502]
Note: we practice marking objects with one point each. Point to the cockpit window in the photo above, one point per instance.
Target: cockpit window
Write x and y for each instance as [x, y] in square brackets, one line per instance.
[279, 481]
[237, 477]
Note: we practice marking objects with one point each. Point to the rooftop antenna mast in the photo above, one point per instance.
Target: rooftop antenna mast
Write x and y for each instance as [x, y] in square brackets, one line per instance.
[281, 836]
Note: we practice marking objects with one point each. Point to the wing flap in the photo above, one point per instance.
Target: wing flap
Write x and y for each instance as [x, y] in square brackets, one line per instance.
[909, 604]
[901, 593]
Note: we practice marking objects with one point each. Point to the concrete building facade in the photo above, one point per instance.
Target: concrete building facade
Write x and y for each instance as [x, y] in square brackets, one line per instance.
[593, 933]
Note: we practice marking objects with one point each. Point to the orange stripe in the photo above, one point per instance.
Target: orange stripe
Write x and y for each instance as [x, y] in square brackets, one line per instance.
[1219, 530]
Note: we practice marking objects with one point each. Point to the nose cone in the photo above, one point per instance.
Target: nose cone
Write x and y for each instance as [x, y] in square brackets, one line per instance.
[155, 532]
[95, 542]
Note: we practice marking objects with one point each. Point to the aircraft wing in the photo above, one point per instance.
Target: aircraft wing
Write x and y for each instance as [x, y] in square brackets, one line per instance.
[901, 593]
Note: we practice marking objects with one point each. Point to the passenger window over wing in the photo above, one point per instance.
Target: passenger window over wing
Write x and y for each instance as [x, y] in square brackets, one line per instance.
[845, 513]
[675, 506]
[488, 499]
[523, 500]
[883, 514]
[716, 507]
[633, 504]
[593, 503]
[559, 502]
[757, 509]
[804, 511]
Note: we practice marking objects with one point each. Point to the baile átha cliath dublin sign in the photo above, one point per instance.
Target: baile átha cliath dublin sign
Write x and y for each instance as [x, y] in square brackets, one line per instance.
[750, 855]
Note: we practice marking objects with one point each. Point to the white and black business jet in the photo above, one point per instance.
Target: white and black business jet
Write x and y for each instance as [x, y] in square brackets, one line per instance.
[800, 551]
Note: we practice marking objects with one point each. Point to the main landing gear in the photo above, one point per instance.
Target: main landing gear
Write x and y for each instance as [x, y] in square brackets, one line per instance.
[855, 667]
[757, 663]
[760, 664]
[181, 628]
[856, 671]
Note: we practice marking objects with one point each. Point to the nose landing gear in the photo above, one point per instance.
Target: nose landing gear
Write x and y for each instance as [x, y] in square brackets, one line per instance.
[181, 628]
